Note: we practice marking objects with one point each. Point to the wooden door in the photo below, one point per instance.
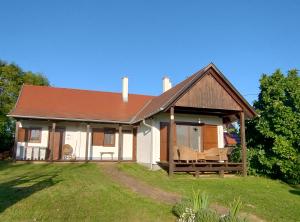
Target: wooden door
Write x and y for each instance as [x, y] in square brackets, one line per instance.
[164, 151]
[210, 136]
[57, 143]
[164, 141]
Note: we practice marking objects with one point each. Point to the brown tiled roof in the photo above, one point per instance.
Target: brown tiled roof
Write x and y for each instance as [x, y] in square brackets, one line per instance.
[60, 103]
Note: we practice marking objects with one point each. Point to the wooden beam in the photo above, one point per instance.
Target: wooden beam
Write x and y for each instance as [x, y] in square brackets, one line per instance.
[14, 153]
[51, 145]
[171, 140]
[207, 169]
[243, 143]
[120, 151]
[87, 142]
[134, 143]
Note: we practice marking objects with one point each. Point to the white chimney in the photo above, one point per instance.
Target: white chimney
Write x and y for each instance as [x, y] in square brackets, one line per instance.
[166, 84]
[125, 89]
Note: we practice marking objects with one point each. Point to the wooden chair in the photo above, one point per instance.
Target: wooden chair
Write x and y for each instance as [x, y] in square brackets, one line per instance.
[216, 154]
[67, 151]
[176, 154]
[187, 154]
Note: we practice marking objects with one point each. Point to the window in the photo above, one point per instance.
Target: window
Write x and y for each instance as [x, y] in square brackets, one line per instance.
[188, 136]
[35, 135]
[22, 135]
[109, 137]
[97, 137]
[103, 137]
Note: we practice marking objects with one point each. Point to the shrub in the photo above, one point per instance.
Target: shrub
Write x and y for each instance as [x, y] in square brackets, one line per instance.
[196, 209]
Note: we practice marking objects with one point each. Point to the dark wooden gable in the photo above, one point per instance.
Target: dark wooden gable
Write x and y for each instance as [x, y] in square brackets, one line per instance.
[209, 93]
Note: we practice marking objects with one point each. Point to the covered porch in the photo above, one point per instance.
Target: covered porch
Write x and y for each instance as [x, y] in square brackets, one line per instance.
[73, 141]
[194, 147]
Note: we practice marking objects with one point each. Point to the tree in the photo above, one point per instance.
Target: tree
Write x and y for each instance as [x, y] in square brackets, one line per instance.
[12, 78]
[274, 136]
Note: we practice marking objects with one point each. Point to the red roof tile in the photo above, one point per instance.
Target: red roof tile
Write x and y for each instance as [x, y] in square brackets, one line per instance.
[61, 103]
[50, 102]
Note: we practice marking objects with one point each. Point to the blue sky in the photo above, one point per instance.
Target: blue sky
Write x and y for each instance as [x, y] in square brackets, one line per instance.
[92, 44]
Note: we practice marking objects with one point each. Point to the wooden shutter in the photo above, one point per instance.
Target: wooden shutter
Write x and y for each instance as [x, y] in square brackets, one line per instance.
[97, 137]
[22, 135]
[210, 136]
[164, 152]
[164, 140]
[134, 144]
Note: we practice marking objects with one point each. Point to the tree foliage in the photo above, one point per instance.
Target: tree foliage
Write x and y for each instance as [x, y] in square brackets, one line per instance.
[274, 136]
[12, 78]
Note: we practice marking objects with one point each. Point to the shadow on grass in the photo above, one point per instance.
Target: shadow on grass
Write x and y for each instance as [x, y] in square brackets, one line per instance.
[295, 190]
[22, 187]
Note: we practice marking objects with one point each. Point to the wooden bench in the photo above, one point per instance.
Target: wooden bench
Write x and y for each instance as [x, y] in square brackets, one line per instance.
[111, 153]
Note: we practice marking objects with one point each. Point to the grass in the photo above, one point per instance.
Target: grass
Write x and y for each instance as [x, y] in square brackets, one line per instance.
[81, 192]
[70, 192]
[269, 199]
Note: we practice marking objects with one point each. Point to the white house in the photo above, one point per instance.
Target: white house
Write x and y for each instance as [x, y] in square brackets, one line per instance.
[180, 126]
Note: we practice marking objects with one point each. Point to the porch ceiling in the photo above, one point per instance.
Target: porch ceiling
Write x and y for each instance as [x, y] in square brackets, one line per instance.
[229, 115]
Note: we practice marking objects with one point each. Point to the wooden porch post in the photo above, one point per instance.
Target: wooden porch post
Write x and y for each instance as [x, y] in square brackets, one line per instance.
[120, 151]
[87, 142]
[243, 143]
[14, 153]
[171, 140]
[51, 145]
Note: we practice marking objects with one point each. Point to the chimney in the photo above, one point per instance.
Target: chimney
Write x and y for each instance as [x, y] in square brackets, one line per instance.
[125, 89]
[166, 84]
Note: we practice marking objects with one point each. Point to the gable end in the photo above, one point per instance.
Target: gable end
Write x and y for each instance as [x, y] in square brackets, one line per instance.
[208, 93]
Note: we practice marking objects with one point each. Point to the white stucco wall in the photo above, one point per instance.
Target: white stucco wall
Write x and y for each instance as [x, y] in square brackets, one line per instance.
[150, 139]
[127, 145]
[144, 144]
[20, 152]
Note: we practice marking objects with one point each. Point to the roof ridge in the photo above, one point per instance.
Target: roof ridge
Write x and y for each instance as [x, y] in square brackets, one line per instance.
[86, 90]
[193, 77]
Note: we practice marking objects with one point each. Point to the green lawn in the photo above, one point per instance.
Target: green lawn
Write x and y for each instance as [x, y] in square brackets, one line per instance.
[269, 199]
[81, 192]
[70, 192]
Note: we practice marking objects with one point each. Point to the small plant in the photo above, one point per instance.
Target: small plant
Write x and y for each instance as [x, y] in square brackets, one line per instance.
[196, 209]
[234, 210]
[199, 201]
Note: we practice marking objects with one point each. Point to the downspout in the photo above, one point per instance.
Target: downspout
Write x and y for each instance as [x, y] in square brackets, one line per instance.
[151, 142]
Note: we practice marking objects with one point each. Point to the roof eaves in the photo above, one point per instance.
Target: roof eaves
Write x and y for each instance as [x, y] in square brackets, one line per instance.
[133, 119]
[15, 106]
[234, 89]
[69, 119]
[171, 100]
[188, 84]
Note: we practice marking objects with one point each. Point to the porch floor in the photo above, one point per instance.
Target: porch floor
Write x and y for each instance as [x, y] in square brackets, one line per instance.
[204, 167]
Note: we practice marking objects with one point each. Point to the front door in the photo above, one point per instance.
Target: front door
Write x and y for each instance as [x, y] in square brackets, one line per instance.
[57, 143]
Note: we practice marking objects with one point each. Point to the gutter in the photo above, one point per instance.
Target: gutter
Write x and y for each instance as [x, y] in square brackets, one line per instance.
[68, 119]
[151, 142]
